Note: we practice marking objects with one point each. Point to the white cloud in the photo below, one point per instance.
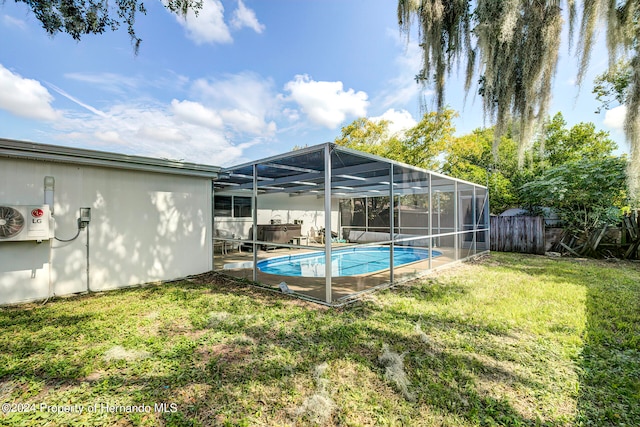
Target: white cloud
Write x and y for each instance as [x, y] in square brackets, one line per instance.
[399, 121]
[76, 100]
[129, 85]
[245, 17]
[247, 91]
[615, 117]
[291, 114]
[150, 129]
[196, 113]
[25, 97]
[403, 88]
[326, 103]
[160, 134]
[109, 137]
[245, 101]
[215, 125]
[244, 121]
[10, 21]
[208, 26]
[111, 82]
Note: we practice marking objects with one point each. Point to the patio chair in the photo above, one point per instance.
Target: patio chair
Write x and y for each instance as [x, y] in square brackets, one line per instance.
[224, 245]
[313, 236]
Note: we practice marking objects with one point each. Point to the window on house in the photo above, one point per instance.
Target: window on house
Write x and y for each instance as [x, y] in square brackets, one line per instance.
[222, 205]
[232, 206]
[241, 207]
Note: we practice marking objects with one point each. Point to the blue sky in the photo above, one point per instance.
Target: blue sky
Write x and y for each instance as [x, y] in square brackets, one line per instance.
[244, 80]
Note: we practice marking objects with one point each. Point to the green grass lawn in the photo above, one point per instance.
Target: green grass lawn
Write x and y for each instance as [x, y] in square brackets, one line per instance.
[509, 340]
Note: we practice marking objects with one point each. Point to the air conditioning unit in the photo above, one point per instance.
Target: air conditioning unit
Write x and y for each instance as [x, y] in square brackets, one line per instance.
[27, 222]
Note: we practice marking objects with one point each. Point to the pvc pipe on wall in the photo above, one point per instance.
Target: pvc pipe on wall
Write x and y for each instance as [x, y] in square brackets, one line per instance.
[49, 190]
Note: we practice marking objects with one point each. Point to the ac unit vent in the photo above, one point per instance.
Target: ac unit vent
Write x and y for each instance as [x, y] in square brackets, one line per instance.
[11, 222]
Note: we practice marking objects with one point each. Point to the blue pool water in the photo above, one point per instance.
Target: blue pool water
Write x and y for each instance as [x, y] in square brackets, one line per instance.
[344, 262]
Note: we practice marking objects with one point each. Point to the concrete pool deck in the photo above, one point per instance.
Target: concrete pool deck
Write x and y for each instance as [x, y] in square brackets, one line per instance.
[239, 264]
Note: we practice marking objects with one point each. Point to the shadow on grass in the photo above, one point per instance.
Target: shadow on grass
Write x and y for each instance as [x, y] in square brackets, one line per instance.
[432, 290]
[42, 335]
[610, 360]
[443, 380]
[609, 364]
[284, 338]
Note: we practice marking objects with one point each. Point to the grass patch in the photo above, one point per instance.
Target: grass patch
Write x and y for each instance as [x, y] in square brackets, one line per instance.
[509, 340]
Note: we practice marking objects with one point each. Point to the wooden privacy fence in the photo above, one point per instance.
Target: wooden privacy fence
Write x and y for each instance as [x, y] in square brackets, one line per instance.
[524, 234]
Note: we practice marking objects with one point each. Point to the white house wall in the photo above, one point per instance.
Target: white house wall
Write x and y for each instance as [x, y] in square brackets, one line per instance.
[308, 209]
[286, 209]
[144, 227]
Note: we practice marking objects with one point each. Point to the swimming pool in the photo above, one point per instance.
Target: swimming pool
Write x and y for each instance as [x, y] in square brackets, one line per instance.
[344, 262]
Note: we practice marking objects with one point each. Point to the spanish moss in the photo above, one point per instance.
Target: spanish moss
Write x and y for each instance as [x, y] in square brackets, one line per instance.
[511, 49]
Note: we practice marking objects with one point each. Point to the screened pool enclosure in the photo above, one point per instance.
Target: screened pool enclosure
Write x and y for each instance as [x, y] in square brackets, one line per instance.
[329, 223]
